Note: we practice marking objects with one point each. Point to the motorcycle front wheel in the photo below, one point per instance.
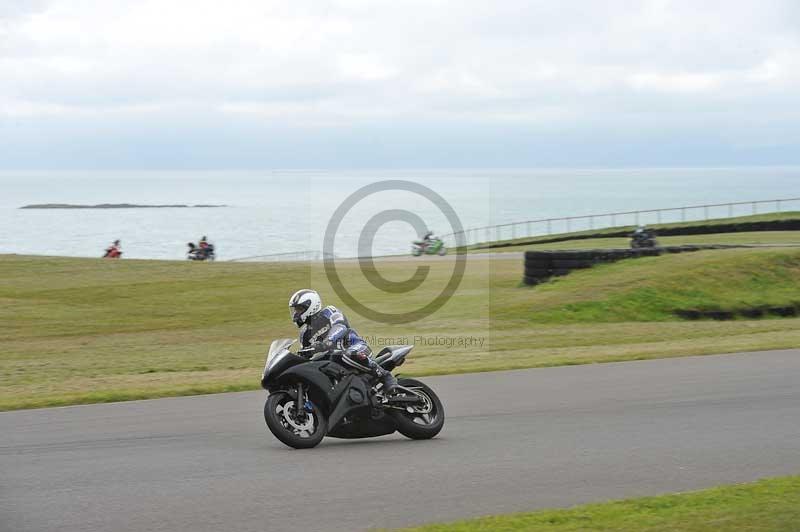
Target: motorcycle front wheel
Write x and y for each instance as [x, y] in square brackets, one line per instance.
[302, 430]
[424, 421]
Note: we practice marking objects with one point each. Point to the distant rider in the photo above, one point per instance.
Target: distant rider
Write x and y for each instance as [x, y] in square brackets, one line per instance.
[206, 249]
[327, 328]
[114, 251]
[428, 239]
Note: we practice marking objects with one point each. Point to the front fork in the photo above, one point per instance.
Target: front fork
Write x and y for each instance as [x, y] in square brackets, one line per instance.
[300, 404]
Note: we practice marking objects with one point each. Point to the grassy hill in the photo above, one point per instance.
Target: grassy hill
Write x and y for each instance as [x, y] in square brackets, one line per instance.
[655, 288]
[88, 330]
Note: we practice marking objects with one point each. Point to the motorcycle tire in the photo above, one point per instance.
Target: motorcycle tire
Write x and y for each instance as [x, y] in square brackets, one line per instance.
[572, 264]
[538, 264]
[408, 427]
[442, 251]
[587, 254]
[279, 430]
[533, 281]
[538, 272]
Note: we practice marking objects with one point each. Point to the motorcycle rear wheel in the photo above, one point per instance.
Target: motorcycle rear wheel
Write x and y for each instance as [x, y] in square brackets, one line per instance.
[420, 426]
[284, 425]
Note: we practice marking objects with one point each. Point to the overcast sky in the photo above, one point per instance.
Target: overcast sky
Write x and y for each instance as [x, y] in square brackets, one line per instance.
[398, 83]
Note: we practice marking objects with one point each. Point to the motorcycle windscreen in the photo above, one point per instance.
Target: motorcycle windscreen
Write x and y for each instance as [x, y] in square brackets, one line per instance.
[279, 345]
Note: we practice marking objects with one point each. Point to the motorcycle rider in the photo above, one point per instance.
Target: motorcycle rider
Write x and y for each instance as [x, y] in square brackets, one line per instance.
[428, 239]
[205, 249]
[114, 251]
[327, 328]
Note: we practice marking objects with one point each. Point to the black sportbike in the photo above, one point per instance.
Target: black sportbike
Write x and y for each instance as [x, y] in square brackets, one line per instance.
[644, 239]
[312, 396]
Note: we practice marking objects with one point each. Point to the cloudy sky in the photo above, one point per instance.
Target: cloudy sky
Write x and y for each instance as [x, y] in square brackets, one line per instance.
[398, 83]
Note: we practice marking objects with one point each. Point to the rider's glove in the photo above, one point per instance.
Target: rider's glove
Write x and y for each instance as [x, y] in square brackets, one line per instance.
[322, 345]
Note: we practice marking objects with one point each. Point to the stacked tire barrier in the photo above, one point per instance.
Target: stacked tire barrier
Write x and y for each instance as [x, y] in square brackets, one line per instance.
[542, 265]
[785, 311]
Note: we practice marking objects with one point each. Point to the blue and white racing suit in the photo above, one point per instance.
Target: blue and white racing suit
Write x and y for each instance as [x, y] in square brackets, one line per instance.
[329, 325]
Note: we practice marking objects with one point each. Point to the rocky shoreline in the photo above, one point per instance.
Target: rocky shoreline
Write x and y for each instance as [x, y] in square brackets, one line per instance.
[115, 206]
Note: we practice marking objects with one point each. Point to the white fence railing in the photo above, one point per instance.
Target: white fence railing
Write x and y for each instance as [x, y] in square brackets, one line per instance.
[589, 222]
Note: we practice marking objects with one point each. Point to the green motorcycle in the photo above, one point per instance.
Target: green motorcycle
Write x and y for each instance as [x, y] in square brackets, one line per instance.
[434, 246]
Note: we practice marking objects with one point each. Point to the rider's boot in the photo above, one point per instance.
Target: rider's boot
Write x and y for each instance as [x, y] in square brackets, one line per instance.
[359, 356]
[389, 381]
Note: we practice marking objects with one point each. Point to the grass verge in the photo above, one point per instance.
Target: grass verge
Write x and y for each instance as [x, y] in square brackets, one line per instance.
[76, 331]
[766, 505]
[656, 288]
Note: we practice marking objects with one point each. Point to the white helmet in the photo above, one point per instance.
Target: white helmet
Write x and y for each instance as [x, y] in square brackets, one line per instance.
[303, 304]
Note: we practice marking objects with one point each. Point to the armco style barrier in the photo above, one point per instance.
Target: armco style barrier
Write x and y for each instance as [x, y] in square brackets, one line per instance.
[542, 265]
[591, 222]
[701, 229]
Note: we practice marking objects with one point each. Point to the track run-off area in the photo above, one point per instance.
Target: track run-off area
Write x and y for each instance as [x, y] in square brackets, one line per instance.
[513, 441]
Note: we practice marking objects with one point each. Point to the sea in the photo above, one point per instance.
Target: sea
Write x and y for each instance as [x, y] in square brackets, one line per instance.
[271, 212]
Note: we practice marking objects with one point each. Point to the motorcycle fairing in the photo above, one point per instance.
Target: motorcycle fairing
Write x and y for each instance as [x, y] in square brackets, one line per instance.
[353, 399]
[321, 389]
[279, 368]
[392, 356]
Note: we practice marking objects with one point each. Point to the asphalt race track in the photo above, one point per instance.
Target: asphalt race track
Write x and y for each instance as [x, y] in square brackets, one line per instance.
[512, 441]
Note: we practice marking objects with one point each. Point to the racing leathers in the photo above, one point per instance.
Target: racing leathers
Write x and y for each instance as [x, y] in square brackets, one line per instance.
[329, 329]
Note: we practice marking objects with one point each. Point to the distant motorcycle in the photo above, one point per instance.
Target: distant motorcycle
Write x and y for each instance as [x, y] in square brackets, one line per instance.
[200, 253]
[434, 246]
[313, 395]
[113, 251]
[643, 239]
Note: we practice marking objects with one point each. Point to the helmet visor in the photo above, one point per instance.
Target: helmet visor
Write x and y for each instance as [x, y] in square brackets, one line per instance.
[296, 311]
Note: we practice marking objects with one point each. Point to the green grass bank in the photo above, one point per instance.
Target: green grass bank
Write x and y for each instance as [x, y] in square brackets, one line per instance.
[78, 331]
[771, 505]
